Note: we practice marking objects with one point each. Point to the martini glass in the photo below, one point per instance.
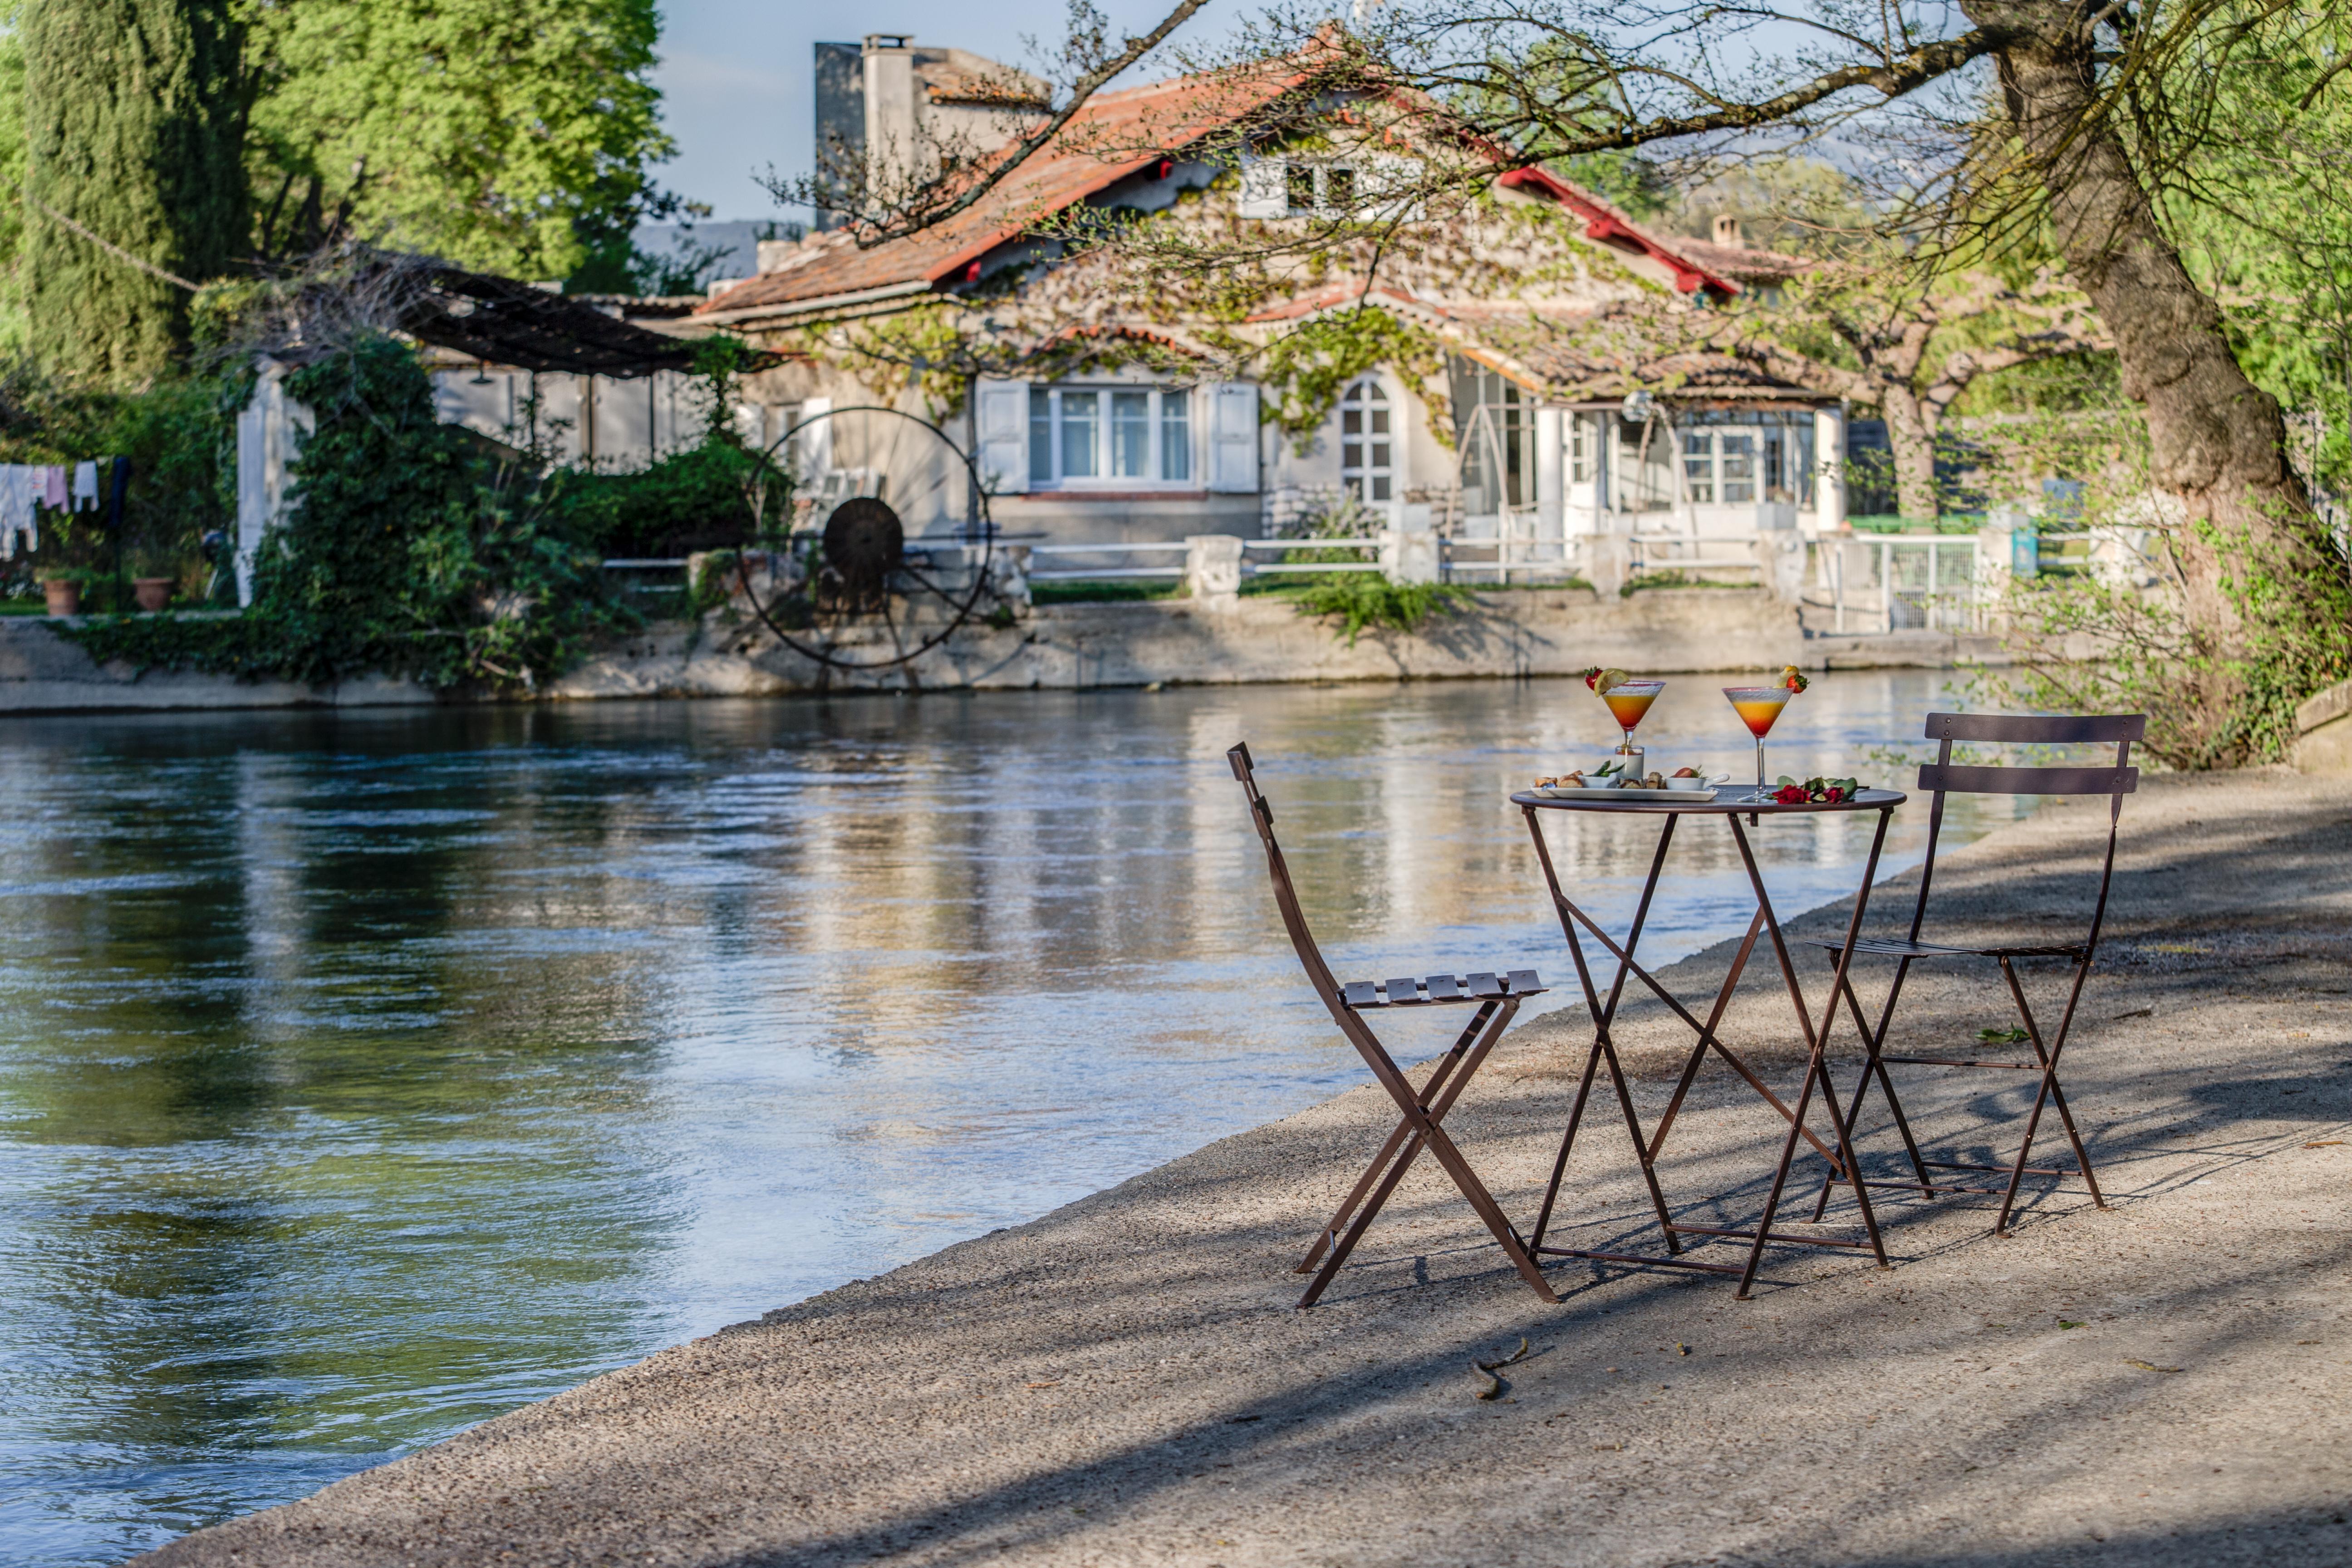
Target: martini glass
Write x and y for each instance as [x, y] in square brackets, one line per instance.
[1628, 703]
[1759, 706]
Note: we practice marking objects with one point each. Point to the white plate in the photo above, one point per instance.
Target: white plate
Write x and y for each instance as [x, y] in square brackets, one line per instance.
[1556, 792]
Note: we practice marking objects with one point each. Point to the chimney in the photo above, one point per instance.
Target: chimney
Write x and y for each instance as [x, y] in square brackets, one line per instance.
[1726, 232]
[889, 61]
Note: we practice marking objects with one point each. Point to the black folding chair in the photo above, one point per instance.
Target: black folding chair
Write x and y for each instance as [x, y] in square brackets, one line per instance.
[1942, 777]
[1496, 999]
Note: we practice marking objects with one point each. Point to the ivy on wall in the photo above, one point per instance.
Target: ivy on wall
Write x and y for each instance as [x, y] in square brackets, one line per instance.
[1307, 370]
[413, 548]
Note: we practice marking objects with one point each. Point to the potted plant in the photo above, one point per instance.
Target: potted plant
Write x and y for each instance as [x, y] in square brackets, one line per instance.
[154, 576]
[63, 592]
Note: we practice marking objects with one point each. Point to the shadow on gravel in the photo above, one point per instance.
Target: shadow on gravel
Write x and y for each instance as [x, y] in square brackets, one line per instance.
[2319, 1538]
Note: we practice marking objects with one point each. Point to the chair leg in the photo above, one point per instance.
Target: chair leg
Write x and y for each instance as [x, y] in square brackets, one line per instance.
[1445, 1064]
[2044, 1095]
[1426, 1132]
[1875, 1046]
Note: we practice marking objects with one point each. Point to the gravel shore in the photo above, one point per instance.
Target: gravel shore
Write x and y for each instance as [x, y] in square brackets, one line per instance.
[1124, 1382]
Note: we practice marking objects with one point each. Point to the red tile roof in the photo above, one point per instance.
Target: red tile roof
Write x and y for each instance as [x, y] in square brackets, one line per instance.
[1115, 135]
[1096, 149]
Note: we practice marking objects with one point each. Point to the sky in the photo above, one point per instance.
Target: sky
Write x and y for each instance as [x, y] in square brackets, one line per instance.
[734, 76]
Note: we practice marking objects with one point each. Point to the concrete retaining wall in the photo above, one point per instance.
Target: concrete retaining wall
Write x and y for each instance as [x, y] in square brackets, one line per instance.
[1232, 641]
[2325, 727]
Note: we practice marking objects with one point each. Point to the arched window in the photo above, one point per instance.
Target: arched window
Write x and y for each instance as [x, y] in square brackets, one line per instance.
[1365, 467]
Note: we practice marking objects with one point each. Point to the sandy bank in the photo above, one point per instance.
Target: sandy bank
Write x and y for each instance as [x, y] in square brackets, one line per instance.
[1124, 1381]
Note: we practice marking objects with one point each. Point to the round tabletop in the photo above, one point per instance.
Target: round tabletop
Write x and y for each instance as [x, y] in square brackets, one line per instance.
[1730, 799]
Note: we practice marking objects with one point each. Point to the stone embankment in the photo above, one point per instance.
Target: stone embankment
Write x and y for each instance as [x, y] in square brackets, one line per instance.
[1125, 1381]
[1235, 640]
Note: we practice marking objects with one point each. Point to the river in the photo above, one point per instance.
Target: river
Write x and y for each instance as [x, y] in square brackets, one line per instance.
[368, 1074]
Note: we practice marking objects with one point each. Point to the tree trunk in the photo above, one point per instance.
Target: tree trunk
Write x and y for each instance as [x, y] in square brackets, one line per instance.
[1914, 441]
[2218, 440]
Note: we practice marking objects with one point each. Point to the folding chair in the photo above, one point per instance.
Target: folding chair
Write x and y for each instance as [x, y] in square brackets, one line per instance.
[1942, 777]
[1496, 998]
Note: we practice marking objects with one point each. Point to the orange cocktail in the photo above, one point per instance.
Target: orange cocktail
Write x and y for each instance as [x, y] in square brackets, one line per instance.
[1759, 708]
[1628, 701]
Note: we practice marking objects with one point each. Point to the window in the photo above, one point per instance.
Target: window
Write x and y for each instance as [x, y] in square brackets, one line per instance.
[1494, 423]
[1299, 185]
[1698, 466]
[1736, 451]
[1580, 449]
[1366, 469]
[1736, 460]
[1320, 190]
[1139, 436]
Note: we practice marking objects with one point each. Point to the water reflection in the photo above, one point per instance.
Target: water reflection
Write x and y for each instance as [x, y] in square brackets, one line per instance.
[369, 1074]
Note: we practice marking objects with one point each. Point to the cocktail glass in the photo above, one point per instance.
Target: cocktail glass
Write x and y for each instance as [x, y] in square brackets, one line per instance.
[1759, 706]
[1628, 703]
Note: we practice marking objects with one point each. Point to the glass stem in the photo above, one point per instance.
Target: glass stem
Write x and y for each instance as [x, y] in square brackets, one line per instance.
[1759, 764]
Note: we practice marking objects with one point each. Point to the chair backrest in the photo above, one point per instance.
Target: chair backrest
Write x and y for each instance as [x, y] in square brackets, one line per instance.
[1943, 777]
[1286, 896]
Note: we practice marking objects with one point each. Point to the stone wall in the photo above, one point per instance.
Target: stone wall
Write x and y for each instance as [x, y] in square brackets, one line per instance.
[1235, 640]
[1232, 640]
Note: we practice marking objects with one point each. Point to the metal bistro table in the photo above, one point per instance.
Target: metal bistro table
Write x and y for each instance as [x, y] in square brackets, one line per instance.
[1729, 805]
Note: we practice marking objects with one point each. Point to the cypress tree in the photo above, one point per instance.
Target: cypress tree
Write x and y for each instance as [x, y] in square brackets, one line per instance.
[134, 130]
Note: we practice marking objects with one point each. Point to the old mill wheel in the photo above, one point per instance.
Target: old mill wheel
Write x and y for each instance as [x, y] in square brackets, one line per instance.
[855, 595]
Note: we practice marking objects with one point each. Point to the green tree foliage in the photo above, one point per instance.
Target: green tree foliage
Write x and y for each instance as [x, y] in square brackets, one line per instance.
[510, 135]
[2260, 206]
[14, 339]
[133, 124]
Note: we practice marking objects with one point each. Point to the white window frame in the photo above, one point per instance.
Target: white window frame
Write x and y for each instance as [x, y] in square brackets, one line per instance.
[1704, 470]
[1161, 399]
[1365, 397]
[1266, 187]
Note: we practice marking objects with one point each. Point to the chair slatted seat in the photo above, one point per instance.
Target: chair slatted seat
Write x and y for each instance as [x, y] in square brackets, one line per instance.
[1940, 778]
[1495, 1000]
[1407, 992]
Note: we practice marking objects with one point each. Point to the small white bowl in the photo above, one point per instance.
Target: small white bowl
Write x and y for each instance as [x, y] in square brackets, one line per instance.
[1701, 782]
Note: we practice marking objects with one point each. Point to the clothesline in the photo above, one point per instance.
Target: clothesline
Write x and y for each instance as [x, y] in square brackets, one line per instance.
[27, 487]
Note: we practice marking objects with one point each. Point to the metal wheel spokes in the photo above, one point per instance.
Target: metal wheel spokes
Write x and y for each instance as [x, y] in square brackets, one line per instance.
[857, 597]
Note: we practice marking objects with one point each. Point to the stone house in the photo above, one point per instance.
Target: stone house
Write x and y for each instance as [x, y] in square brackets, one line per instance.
[1104, 402]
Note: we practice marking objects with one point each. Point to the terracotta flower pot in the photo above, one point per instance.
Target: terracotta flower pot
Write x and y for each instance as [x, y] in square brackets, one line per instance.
[153, 593]
[64, 597]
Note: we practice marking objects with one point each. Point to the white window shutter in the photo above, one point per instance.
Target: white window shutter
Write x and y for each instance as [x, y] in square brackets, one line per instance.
[1233, 438]
[1266, 188]
[1001, 425]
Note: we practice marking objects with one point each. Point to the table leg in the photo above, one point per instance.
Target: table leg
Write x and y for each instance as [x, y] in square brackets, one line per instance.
[1604, 1015]
[1816, 1044]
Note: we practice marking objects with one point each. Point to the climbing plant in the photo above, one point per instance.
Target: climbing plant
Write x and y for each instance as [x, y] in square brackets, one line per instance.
[413, 548]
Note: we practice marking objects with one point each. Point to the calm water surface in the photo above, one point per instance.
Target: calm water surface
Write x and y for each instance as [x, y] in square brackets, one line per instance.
[363, 1076]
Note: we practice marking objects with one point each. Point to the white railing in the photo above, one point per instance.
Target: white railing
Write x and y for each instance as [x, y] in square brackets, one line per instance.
[1038, 552]
[1905, 582]
[1252, 568]
[1659, 553]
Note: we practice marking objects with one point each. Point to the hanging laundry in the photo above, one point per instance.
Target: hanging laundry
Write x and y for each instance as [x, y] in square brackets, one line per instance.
[16, 504]
[85, 484]
[53, 487]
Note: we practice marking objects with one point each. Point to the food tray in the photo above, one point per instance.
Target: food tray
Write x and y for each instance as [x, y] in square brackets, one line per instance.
[1554, 792]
